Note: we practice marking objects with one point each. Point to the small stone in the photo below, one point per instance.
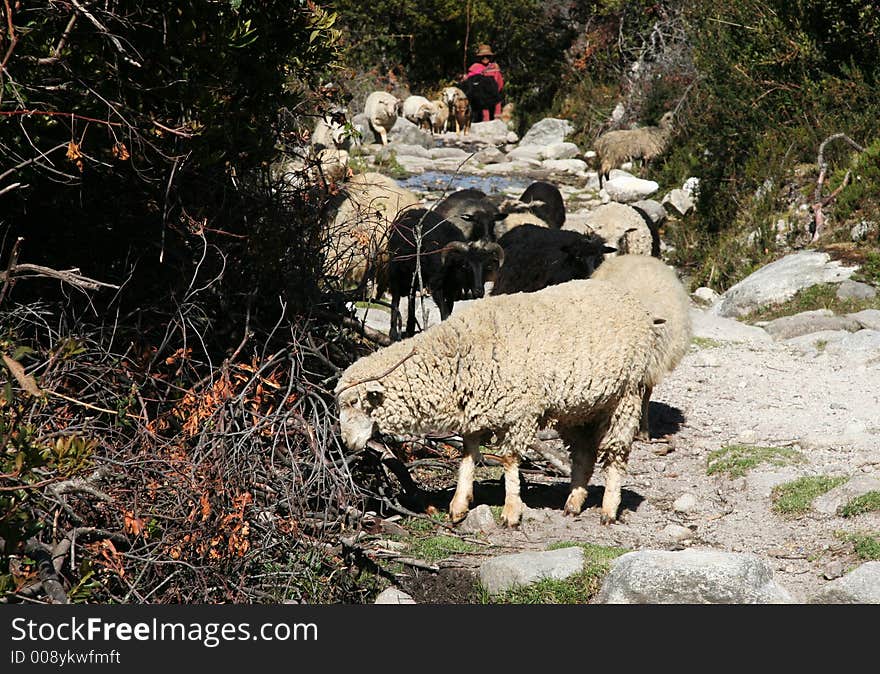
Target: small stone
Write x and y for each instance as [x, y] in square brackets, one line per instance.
[684, 503]
[833, 570]
[392, 595]
[479, 520]
[854, 290]
[660, 467]
[677, 533]
[747, 437]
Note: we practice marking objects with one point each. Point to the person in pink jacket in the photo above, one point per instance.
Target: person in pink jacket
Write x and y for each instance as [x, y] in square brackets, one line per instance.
[487, 66]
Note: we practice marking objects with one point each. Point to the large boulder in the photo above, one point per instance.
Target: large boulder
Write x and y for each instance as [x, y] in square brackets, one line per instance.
[630, 188]
[505, 572]
[810, 321]
[779, 281]
[405, 132]
[691, 577]
[547, 132]
[860, 586]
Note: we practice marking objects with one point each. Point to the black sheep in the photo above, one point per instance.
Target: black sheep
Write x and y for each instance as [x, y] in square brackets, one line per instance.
[482, 93]
[451, 268]
[472, 212]
[552, 208]
[537, 257]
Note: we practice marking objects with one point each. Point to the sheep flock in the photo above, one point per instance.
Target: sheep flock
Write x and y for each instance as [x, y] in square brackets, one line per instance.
[573, 336]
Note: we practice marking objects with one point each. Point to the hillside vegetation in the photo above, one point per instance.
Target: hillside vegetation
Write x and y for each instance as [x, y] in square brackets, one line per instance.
[168, 340]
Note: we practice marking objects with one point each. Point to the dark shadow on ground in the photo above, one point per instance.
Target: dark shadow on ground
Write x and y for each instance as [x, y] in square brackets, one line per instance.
[491, 492]
[664, 420]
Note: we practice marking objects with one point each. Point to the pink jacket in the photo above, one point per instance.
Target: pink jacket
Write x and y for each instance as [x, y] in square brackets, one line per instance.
[492, 69]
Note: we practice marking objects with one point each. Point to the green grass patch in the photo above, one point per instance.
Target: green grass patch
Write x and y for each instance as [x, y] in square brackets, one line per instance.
[577, 589]
[372, 305]
[794, 498]
[705, 343]
[424, 525]
[859, 505]
[434, 548]
[820, 296]
[737, 460]
[866, 546]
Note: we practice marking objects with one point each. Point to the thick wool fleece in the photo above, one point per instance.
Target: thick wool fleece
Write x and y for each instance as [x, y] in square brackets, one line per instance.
[656, 285]
[509, 364]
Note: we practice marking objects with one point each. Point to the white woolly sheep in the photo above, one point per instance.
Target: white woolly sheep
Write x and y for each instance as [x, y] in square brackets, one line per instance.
[450, 95]
[330, 132]
[330, 164]
[382, 110]
[658, 288]
[418, 110]
[575, 355]
[622, 227]
[364, 211]
[439, 117]
[615, 147]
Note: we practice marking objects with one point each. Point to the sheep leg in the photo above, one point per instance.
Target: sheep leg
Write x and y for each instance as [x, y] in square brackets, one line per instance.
[464, 490]
[396, 320]
[582, 445]
[644, 423]
[615, 445]
[383, 135]
[411, 314]
[511, 513]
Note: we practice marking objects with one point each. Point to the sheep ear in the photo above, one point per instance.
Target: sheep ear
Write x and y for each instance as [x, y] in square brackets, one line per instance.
[609, 249]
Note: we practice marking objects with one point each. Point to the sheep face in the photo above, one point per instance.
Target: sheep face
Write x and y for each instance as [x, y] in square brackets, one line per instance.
[471, 212]
[355, 405]
[466, 269]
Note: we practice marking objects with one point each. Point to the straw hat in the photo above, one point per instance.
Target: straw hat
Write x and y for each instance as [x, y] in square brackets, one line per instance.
[485, 50]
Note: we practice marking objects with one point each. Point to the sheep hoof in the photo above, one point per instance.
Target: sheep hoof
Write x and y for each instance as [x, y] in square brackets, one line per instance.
[510, 517]
[457, 516]
[575, 502]
[605, 519]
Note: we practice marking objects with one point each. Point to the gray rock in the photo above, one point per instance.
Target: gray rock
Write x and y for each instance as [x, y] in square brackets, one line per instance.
[709, 326]
[816, 342]
[479, 520]
[407, 133]
[809, 321]
[868, 319]
[576, 166]
[653, 210]
[561, 151]
[412, 164]
[853, 290]
[832, 501]
[391, 595]
[862, 230]
[449, 153]
[858, 348]
[691, 577]
[527, 153]
[547, 132]
[859, 586]
[676, 533]
[780, 281]
[679, 201]
[494, 132]
[625, 190]
[511, 167]
[833, 570]
[685, 503]
[507, 571]
[490, 155]
[705, 296]
[401, 149]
